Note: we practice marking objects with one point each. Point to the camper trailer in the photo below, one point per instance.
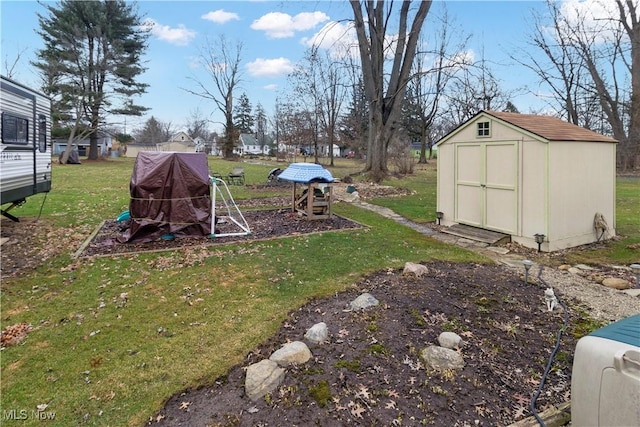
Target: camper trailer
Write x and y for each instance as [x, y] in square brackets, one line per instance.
[25, 149]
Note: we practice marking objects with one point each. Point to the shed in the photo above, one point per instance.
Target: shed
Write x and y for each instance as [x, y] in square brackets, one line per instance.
[522, 175]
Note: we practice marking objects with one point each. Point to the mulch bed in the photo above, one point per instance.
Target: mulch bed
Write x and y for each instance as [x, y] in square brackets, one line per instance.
[264, 224]
[370, 372]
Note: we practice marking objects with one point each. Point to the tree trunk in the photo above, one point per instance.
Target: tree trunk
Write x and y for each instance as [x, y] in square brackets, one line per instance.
[423, 145]
[385, 100]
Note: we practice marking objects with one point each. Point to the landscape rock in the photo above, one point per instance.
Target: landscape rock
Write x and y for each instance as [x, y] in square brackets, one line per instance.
[418, 270]
[634, 292]
[584, 267]
[262, 378]
[616, 283]
[440, 358]
[365, 300]
[318, 333]
[450, 340]
[293, 353]
[574, 270]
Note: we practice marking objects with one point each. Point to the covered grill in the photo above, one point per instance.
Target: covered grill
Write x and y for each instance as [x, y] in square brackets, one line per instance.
[315, 198]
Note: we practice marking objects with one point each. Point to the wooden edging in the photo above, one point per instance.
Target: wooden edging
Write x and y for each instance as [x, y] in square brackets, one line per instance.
[552, 417]
[86, 243]
[89, 239]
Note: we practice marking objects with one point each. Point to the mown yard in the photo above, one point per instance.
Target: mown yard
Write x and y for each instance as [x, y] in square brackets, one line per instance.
[113, 337]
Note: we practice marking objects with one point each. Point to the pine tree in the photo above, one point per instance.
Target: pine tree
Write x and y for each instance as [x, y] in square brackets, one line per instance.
[243, 120]
[94, 48]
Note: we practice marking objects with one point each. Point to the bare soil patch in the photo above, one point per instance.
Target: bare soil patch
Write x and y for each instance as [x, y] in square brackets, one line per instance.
[370, 372]
[264, 224]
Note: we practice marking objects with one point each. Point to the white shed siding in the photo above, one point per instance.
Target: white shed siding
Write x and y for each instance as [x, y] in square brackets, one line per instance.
[580, 190]
[446, 183]
[533, 200]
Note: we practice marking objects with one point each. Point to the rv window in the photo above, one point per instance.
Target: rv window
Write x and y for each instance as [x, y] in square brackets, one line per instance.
[14, 130]
[42, 133]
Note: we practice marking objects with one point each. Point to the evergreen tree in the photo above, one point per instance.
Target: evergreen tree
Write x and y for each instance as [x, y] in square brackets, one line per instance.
[94, 49]
[261, 125]
[242, 118]
[353, 126]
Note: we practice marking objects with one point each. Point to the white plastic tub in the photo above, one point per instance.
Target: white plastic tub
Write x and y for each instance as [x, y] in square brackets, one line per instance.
[605, 383]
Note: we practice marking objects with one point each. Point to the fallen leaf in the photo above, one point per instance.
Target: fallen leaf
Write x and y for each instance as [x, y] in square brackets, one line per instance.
[357, 411]
[185, 405]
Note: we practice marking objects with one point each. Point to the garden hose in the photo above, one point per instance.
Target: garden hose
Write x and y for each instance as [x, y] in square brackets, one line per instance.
[532, 406]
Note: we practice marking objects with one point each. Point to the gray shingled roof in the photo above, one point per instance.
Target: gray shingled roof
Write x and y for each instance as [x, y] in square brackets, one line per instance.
[550, 128]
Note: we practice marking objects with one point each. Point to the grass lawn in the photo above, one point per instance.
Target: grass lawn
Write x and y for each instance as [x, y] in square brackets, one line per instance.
[114, 337]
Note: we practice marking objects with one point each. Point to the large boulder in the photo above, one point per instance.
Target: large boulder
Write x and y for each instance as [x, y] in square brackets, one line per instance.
[365, 300]
[318, 333]
[293, 353]
[616, 283]
[440, 358]
[450, 340]
[413, 269]
[262, 378]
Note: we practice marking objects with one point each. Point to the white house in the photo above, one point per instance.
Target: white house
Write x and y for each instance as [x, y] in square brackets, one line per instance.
[249, 145]
[524, 175]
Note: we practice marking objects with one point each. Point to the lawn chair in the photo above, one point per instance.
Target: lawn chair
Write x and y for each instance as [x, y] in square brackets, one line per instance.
[236, 176]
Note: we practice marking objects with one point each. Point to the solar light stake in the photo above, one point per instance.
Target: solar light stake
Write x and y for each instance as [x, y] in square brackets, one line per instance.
[636, 270]
[539, 239]
[527, 265]
[439, 215]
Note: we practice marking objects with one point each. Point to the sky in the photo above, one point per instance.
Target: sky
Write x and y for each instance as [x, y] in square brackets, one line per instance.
[274, 36]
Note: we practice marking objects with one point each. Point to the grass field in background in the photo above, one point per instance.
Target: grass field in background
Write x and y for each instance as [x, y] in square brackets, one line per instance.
[114, 337]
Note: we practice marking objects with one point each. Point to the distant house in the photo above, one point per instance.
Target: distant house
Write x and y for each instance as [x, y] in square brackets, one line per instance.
[181, 142]
[248, 145]
[105, 143]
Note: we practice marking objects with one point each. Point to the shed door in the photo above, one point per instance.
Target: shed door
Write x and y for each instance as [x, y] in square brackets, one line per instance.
[486, 178]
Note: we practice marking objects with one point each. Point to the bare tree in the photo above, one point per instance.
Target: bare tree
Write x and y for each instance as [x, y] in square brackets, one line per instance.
[318, 81]
[568, 75]
[432, 71]
[385, 92]
[10, 66]
[222, 65]
[473, 88]
[154, 131]
[198, 125]
[594, 59]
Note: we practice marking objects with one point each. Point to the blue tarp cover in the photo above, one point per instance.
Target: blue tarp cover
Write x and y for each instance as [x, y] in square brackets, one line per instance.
[305, 173]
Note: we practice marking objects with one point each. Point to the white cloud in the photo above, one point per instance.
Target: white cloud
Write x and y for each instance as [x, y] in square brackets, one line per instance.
[180, 36]
[270, 67]
[596, 16]
[272, 86]
[220, 16]
[279, 25]
[338, 38]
